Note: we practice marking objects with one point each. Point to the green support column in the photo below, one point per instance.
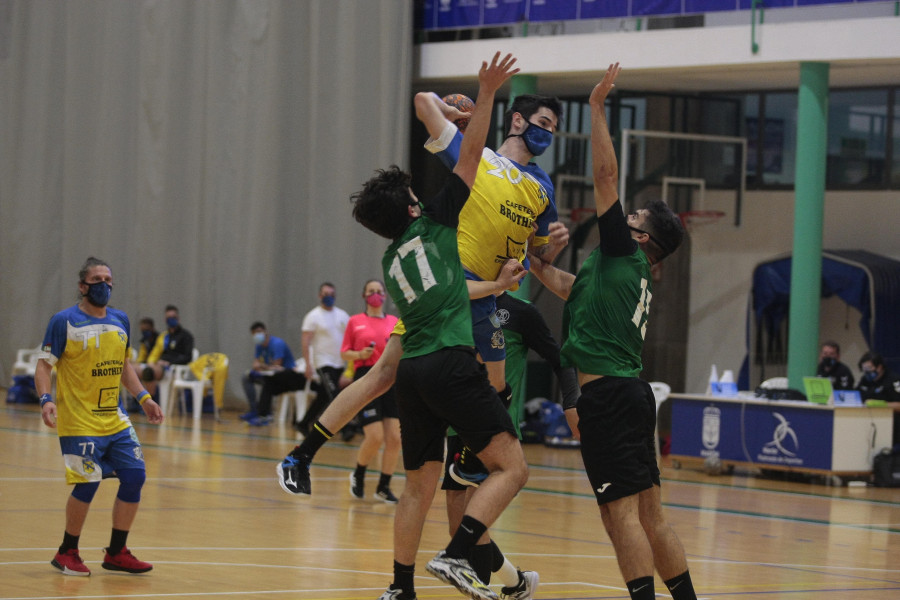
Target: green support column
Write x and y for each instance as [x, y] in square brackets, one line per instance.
[518, 85]
[809, 210]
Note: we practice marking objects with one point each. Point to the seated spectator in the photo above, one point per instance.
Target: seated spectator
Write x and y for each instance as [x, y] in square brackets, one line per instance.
[830, 366]
[174, 348]
[273, 368]
[148, 339]
[877, 381]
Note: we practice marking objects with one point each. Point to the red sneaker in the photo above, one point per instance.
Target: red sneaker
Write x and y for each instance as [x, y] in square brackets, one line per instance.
[70, 563]
[125, 561]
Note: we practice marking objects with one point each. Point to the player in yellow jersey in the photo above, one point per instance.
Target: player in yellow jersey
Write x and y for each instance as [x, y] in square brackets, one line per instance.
[89, 345]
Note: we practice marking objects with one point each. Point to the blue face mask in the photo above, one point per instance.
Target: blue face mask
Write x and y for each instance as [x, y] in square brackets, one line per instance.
[870, 375]
[536, 138]
[172, 322]
[146, 334]
[328, 301]
[259, 338]
[98, 293]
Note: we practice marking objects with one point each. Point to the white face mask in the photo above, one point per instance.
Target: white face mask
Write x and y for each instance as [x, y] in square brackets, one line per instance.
[259, 338]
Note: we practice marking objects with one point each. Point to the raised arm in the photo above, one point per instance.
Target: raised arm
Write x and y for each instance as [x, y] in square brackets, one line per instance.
[605, 166]
[490, 78]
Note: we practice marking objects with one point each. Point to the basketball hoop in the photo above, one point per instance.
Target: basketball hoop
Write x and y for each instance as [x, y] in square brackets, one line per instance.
[695, 218]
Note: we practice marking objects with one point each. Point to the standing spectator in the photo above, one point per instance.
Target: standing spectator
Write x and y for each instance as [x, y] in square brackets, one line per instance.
[605, 320]
[89, 345]
[830, 366]
[176, 347]
[364, 340]
[323, 331]
[273, 367]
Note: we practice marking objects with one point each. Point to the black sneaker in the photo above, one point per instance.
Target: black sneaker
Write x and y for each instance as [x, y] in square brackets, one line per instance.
[528, 582]
[356, 487]
[386, 495]
[467, 469]
[293, 475]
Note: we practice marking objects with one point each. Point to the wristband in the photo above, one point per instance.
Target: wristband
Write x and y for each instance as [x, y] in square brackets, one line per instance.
[143, 397]
[45, 398]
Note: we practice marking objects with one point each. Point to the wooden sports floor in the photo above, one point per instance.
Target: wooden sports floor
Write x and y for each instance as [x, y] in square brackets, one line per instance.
[215, 523]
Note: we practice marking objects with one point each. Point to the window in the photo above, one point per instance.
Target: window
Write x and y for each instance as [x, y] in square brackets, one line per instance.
[857, 138]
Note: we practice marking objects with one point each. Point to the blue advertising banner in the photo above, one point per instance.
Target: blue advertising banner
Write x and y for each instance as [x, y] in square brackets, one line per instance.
[776, 435]
[462, 14]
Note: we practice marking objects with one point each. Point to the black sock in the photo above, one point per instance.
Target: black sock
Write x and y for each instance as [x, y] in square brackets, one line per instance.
[641, 588]
[117, 541]
[480, 559]
[403, 580]
[681, 587]
[505, 396]
[497, 559]
[317, 437]
[384, 481]
[70, 542]
[467, 534]
[360, 472]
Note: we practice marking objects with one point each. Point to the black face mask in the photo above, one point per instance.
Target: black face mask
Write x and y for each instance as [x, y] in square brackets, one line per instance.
[828, 363]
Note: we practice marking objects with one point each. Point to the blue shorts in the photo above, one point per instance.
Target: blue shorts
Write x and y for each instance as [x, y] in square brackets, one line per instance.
[90, 458]
[486, 330]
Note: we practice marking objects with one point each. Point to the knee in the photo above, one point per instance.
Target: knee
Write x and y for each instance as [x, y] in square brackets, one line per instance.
[84, 492]
[130, 483]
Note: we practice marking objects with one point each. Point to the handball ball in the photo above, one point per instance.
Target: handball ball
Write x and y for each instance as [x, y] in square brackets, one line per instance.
[462, 103]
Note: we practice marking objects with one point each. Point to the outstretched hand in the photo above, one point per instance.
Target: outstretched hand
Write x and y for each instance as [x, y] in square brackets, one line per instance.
[490, 78]
[602, 89]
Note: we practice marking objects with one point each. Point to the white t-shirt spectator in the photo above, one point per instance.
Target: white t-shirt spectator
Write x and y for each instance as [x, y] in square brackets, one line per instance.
[327, 327]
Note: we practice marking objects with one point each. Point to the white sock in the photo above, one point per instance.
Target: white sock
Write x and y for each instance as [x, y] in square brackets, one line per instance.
[508, 574]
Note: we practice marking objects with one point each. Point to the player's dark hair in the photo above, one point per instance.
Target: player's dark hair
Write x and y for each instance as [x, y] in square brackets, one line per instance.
[89, 264]
[382, 206]
[528, 104]
[665, 228]
[326, 284]
[171, 307]
[873, 357]
[366, 284]
[257, 325]
[148, 321]
[832, 344]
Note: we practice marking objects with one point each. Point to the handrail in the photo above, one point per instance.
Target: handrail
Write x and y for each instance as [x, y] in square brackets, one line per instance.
[754, 47]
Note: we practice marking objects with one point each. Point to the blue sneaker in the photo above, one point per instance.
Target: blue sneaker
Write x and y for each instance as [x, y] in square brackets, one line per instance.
[293, 474]
[248, 416]
[260, 421]
[467, 469]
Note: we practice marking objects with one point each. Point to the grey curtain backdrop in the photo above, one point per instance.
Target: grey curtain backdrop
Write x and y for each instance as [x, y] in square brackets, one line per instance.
[205, 149]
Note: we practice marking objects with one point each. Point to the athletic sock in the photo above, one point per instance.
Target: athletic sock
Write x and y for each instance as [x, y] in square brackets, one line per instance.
[480, 559]
[384, 481]
[117, 541]
[467, 534]
[681, 587]
[641, 588]
[505, 396]
[317, 437]
[505, 570]
[360, 472]
[403, 580]
[70, 542]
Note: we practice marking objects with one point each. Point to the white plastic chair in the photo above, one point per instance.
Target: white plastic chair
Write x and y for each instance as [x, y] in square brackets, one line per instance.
[164, 387]
[183, 379]
[775, 383]
[661, 391]
[26, 361]
[298, 399]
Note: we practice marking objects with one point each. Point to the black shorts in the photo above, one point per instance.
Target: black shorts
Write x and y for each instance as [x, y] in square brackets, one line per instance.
[382, 407]
[617, 420]
[447, 387]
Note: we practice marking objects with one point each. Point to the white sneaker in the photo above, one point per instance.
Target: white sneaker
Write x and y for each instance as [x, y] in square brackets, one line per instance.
[460, 574]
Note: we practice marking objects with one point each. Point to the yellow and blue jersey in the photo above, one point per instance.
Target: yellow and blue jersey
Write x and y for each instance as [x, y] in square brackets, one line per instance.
[506, 200]
[89, 354]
